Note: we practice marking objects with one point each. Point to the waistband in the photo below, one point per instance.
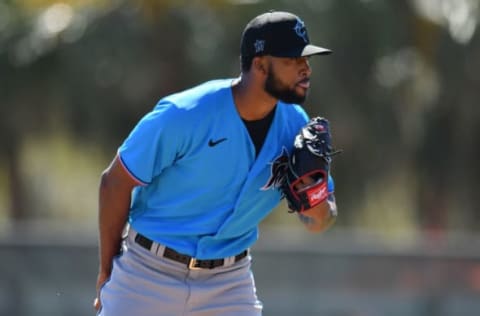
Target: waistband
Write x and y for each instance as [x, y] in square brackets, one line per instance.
[192, 263]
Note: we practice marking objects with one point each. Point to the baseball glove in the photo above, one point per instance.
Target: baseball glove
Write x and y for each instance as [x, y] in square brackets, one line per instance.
[305, 183]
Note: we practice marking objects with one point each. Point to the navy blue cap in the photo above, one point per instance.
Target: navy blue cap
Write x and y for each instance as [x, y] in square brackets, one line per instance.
[279, 34]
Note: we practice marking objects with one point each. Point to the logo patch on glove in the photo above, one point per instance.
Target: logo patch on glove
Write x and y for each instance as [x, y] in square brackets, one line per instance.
[317, 194]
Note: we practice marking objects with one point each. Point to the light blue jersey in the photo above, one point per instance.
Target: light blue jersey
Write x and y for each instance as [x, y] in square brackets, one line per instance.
[203, 190]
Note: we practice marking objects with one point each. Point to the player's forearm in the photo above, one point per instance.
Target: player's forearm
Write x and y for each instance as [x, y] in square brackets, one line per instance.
[114, 203]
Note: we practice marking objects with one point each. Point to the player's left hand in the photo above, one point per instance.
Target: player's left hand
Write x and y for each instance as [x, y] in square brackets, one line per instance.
[306, 182]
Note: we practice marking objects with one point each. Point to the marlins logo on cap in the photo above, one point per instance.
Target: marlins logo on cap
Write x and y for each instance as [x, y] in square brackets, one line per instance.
[301, 30]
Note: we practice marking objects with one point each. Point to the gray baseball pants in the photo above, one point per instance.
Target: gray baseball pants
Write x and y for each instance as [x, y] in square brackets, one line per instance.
[144, 283]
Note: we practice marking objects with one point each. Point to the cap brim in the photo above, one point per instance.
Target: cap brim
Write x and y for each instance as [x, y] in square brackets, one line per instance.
[305, 51]
[311, 50]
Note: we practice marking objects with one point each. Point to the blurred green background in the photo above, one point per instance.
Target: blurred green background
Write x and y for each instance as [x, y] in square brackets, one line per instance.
[401, 90]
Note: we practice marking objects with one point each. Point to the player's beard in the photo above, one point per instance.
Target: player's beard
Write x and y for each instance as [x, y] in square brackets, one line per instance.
[281, 91]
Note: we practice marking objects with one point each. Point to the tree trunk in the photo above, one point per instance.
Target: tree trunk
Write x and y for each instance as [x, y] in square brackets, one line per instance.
[17, 205]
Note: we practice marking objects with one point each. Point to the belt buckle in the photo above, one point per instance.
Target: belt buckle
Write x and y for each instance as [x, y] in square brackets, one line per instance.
[192, 264]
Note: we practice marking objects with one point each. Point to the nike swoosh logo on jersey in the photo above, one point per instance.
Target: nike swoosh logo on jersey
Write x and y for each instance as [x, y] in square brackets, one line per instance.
[212, 142]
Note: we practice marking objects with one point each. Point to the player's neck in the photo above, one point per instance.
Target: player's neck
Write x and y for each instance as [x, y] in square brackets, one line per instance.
[251, 100]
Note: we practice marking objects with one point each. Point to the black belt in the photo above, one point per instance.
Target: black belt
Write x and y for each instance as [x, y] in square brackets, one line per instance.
[192, 263]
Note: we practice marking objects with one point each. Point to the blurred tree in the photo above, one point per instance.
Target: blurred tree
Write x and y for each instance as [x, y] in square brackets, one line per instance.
[62, 68]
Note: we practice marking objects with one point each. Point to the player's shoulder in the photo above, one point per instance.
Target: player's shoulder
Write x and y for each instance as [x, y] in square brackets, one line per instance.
[203, 94]
[185, 107]
[294, 115]
[295, 111]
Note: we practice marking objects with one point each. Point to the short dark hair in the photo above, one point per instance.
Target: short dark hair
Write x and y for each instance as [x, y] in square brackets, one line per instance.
[246, 62]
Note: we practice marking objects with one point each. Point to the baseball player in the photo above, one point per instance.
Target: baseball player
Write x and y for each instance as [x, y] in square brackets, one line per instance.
[195, 177]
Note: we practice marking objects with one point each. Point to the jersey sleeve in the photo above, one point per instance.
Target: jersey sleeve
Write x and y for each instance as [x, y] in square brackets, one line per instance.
[153, 144]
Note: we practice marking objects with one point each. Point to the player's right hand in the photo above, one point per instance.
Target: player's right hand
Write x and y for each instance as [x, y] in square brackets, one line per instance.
[96, 304]
[101, 279]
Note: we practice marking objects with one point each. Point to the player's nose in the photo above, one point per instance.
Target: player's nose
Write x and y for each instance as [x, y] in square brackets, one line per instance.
[305, 69]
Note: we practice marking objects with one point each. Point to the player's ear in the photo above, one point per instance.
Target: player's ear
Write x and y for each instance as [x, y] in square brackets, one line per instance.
[260, 64]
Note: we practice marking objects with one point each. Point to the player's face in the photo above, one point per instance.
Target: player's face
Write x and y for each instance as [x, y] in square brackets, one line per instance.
[288, 79]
